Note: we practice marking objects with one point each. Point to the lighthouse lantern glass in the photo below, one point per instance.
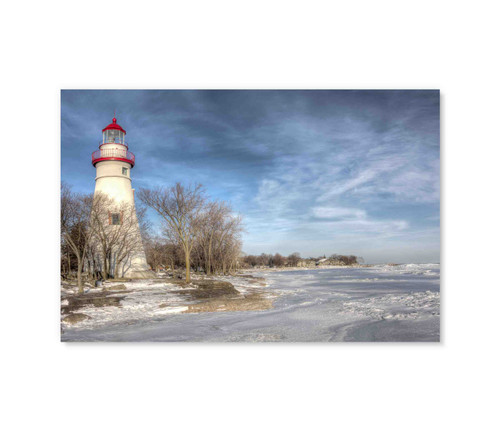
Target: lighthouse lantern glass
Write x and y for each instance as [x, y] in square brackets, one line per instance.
[113, 136]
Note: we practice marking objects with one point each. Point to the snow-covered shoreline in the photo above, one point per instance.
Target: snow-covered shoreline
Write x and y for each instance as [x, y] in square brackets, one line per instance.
[147, 299]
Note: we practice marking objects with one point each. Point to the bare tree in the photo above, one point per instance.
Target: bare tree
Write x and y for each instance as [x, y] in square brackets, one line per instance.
[92, 257]
[218, 242]
[116, 232]
[209, 224]
[293, 259]
[278, 260]
[251, 260]
[228, 242]
[156, 252]
[100, 222]
[179, 208]
[128, 239]
[75, 228]
[264, 260]
[172, 254]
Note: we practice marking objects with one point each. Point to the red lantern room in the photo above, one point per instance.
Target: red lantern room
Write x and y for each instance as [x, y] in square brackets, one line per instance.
[113, 146]
[113, 133]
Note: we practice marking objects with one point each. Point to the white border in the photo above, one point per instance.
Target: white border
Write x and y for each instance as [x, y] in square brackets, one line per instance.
[226, 44]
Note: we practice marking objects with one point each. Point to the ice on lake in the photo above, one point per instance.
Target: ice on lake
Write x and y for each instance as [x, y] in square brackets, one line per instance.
[380, 303]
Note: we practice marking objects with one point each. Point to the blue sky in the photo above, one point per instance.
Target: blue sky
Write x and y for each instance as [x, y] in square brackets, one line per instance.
[318, 172]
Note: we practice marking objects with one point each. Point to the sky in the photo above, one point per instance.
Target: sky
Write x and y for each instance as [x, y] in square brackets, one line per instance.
[314, 172]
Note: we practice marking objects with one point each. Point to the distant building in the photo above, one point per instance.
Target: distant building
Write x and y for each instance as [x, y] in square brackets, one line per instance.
[306, 263]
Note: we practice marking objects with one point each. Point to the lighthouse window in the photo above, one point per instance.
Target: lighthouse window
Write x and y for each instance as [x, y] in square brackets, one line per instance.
[115, 218]
[124, 171]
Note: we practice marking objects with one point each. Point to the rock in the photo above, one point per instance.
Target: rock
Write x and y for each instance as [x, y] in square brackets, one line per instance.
[117, 287]
[215, 285]
[75, 318]
[210, 289]
[251, 302]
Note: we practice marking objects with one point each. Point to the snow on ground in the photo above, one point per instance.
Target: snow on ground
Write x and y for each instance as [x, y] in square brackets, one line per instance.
[143, 300]
[378, 303]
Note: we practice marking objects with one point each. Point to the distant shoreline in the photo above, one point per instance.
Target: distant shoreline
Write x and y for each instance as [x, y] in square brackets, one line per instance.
[323, 267]
[319, 267]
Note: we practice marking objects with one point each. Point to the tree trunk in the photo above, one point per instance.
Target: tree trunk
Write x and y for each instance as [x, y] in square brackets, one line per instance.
[105, 267]
[79, 274]
[210, 255]
[188, 267]
[111, 271]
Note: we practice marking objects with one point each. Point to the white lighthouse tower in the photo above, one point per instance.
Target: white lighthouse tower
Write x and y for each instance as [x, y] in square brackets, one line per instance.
[114, 163]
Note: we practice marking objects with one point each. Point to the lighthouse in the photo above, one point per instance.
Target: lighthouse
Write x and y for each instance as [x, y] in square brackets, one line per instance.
[113, 163]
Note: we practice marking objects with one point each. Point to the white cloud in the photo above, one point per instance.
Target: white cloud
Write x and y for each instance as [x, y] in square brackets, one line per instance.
[340, 213]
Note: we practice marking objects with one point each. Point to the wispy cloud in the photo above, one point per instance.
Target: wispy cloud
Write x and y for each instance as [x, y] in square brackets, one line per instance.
[338, 213]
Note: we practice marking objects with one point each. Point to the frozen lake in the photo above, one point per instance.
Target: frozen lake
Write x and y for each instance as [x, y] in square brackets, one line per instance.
[381, 303]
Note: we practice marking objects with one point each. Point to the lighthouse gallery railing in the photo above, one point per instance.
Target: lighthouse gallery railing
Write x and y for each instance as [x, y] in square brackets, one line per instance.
[113, 154]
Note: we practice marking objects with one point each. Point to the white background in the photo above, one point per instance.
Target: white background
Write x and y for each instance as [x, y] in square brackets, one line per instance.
[50, 45]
